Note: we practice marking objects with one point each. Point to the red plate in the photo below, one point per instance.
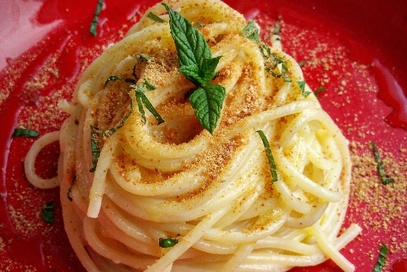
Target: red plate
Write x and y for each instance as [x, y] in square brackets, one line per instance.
[356, 50]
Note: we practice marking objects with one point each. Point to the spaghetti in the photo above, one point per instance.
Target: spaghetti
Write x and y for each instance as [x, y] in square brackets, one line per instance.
[133, 180]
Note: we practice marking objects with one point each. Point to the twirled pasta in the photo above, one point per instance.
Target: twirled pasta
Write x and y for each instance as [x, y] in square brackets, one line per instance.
[213, 193]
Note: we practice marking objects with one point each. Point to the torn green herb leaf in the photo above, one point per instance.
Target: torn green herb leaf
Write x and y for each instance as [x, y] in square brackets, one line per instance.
[22, 132]
[319, 90]
[276, 30]
[273, 167]
[155, 18]
[139, 92]
[274, 65]
[110, 132]
[302, 87]
[194, 54]
[380, 168]
[207, 102]
[47, 212]
[142, 101]
[301, 63]
[167, 242]
[251, 32]
[94, 24]
[95, 146]
[198, 66]
[116, 78]
[382, 258]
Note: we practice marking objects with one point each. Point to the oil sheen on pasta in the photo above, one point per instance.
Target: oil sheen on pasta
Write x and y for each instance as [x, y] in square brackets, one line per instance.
[213, 193]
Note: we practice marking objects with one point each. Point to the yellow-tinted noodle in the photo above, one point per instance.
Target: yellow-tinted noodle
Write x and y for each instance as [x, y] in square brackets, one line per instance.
[212, 192]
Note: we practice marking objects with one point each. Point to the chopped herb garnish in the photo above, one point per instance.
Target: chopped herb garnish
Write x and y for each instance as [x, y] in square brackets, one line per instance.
[319, 90]
[147, 85]
[109, 132]
[198, 66]
[95, 19]
[144, 57]
[139, 59]
[155, 18]
[382, 258]
[142, 100]
[302, 87]
[94, 140]
[116, 78]
[385, 180]
[276, 30]
[274, 65]
[273, 167]
[251, 32]
[95, 146]
[47, 212]
[168, 242]
[22, 132]
[139, 92]
[301, 63]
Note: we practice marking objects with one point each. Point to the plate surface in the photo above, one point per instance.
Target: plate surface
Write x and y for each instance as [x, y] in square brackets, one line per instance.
[355, 50]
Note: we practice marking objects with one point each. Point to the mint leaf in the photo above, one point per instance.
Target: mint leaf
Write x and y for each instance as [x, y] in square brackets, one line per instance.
[301, 63]
[380, 168]
[143, 57]
[168, 242]
[191, 72]
[155, 18]
[194, 54]
[382, 258]
[319, 90]
[207, 102]
[276, 30]
[95, 19]
[301, 84]
[274, 65]
[146, 86]
[201, 76]
[272, 164]
[47, 212]
[116, 78]
[251, 32]
[209, 67]
[95, 146]
[198, 66]
[142, 100]
[109, 132]
[22, 132]
[191, 45]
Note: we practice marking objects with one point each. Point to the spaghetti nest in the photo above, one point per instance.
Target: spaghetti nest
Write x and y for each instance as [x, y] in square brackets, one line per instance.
[134, 178]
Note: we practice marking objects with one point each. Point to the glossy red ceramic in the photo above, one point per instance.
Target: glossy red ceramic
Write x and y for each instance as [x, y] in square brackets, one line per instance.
[356, 50]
